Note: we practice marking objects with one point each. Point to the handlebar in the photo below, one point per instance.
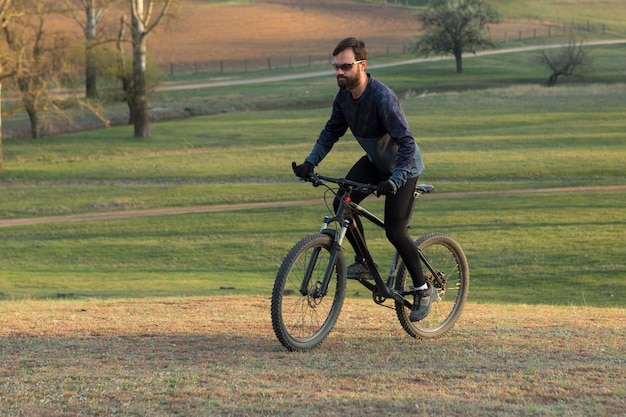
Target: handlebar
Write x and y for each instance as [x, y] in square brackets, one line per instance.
[318, 180]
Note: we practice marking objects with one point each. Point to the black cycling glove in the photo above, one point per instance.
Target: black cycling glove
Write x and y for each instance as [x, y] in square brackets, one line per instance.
[302, 171]
[386, 188]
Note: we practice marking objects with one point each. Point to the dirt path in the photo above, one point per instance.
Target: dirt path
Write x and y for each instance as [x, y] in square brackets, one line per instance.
[251, 206]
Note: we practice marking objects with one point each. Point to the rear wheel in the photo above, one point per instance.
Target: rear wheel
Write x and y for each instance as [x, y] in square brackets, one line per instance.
[449, 275]
[302, 321]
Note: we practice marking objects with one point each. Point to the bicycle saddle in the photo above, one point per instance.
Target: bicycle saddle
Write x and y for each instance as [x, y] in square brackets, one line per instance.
[424, 188]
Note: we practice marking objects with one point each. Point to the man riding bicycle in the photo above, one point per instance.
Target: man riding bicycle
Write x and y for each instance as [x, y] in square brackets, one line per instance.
[392, 159]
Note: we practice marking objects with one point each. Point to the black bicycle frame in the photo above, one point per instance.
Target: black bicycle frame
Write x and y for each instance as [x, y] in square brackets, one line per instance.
[346, 219]
[345, 215]
[353, 210]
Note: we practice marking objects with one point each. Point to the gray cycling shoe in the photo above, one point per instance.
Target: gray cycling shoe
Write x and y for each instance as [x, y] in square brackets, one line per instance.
[423, 303]
[358, 270]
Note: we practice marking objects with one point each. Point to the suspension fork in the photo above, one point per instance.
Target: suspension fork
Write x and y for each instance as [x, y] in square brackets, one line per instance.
[334, 253]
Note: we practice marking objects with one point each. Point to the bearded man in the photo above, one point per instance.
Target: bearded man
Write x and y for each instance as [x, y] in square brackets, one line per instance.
[392, 159]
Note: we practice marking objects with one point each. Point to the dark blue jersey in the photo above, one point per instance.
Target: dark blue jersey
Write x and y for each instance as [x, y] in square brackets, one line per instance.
[378, 123]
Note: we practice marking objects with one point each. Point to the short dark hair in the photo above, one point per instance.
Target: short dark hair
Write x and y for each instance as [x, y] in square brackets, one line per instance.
[358, 46]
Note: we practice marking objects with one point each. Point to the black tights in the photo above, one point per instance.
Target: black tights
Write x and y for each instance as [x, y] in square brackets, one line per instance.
[397, 213]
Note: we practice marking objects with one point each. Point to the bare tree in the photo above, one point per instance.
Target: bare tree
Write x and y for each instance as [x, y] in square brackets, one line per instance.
[5, 16]
[117, 65]
[565, 61]
[144, 19]
[454, 27]
[89, 14]
[37, 59]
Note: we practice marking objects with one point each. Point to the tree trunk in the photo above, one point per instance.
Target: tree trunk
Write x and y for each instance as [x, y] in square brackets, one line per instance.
[33, 116]
[141, 117]
[142, 26]
[458, 57]
[551, 81]
[129, 101]
[1, 156]
[140, 102]
[91, 74]
[4, 18]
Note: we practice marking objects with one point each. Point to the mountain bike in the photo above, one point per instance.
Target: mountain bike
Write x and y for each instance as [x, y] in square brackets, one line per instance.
[310, 285]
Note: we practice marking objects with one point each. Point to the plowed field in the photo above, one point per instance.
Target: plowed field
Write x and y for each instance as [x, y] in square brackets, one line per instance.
[206, 31]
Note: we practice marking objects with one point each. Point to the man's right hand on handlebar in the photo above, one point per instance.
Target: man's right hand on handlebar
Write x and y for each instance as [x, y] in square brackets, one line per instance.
[304, 170]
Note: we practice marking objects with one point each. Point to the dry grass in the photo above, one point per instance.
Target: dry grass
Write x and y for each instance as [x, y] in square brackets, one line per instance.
[218, 356]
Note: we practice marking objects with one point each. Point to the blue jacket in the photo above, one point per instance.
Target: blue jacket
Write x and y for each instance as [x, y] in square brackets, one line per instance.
[379, 125]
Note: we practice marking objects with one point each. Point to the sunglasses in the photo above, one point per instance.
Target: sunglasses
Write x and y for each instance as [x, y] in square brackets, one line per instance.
[347, 66]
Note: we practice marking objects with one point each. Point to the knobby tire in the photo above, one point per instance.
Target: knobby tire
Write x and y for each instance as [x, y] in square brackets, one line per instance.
[447, 257]
[302, 322]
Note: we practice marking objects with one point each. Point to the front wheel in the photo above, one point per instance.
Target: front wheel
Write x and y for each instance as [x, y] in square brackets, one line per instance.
[303, 315]
[445, 267]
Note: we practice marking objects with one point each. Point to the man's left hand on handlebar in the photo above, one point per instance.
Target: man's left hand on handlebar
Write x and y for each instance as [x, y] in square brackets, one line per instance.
[386, 188]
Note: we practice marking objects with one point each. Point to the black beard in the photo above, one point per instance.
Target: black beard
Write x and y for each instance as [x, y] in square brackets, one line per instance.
[347, 83]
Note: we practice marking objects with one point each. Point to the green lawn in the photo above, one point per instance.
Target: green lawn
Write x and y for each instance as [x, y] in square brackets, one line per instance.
[480, 132]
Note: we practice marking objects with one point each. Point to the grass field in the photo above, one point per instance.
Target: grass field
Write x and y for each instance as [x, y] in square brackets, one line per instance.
[141, 313]
[217, 356]
[523, 248]
[572, 139]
